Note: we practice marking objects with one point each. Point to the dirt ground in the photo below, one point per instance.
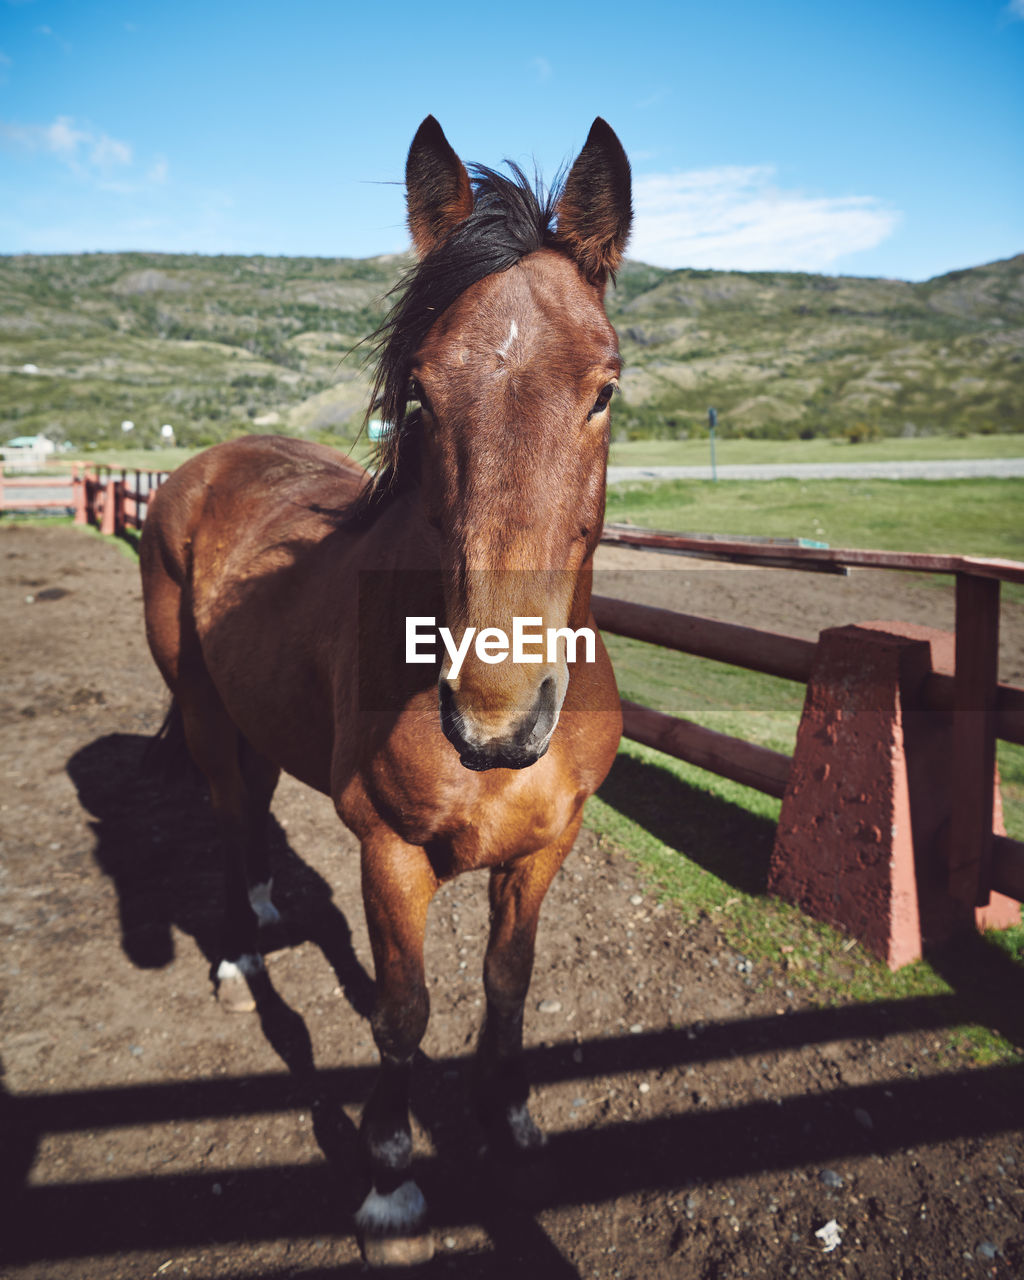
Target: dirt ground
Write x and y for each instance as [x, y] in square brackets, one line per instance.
[706, 1120]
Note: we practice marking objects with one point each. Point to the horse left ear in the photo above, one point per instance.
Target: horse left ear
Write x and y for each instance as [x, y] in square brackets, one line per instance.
[595, 210]
[437, 188]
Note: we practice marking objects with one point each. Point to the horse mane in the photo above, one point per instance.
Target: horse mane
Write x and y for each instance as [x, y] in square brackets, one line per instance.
[511, 218]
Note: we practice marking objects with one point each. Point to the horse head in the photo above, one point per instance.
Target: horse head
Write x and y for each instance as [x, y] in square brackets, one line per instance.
[513, 366]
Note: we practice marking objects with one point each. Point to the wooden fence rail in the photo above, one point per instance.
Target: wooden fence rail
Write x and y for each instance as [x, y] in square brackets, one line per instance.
[112, 499]
[980, 861]
[21, 492]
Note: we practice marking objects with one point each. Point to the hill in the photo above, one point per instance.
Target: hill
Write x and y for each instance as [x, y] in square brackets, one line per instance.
[217, 345]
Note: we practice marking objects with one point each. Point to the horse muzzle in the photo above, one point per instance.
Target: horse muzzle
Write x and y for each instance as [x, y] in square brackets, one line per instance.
[522, 745]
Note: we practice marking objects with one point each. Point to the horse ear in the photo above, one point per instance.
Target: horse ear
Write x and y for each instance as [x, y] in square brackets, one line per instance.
[437, 190]
[595, 210]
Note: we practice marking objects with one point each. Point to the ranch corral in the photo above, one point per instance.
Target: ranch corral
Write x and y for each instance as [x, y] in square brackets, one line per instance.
[706, 1116]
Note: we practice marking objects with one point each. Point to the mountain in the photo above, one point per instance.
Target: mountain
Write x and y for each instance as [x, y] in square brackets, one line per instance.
[217, 345]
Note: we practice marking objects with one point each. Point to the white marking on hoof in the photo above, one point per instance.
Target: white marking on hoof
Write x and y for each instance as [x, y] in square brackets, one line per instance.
[244, 967]
[233, 992]
[259, 900]
[525, 1133]
[397, 1214]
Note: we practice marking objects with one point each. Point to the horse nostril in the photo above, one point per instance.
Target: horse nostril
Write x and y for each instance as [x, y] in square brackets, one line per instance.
[547, 707]
[521, 744]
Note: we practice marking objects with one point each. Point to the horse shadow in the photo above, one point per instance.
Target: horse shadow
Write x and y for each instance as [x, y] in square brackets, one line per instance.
[158, 841]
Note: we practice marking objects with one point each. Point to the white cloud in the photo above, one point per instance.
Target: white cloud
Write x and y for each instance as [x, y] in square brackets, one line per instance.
[1015, 9]
[86, 152]
[735, 217]
[61, 137]
[108, 152]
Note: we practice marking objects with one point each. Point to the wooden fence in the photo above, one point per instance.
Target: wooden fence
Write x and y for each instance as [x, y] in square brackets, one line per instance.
[980, 708]
[112, 499]
[34, 492]
[114, 502]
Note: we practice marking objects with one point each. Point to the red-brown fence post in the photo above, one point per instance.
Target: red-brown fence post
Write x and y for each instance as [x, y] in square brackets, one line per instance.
[78, 493]
[870, 796]
[974, 744]
[108, 520]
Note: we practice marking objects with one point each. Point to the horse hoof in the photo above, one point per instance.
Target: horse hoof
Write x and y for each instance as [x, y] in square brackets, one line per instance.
[390, 1227]
[512, 1135]
[398, 1251]
[234, 994]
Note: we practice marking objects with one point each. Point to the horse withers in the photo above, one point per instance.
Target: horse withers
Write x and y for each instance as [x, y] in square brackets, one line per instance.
[280, 579]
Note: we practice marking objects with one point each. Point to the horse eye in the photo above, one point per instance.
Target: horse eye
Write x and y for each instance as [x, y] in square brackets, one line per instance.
[601, 403]
[419, 394]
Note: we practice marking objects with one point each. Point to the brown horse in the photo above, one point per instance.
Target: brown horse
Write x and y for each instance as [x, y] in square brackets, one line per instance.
[281, 583]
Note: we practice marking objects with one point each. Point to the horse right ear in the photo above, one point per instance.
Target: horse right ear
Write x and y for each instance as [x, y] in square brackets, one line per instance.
[437, 190]
[595, 209]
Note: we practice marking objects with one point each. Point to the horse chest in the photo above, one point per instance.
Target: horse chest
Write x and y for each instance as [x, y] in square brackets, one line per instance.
[472, 820]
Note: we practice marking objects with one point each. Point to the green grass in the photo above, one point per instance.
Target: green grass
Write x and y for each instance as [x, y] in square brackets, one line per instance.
[133, 459]
[744, 452]
[973, 517]
[704, 842]
[161, 459]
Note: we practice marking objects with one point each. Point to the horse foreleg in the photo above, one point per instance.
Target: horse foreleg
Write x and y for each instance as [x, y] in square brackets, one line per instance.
[516, 893]
[241, 786]
[398, 884]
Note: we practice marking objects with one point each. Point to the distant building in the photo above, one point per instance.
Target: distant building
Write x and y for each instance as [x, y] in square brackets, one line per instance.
[25, 452]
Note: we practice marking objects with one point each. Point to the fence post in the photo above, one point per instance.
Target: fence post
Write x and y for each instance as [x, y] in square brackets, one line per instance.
[974, 739]
[78, 485]
[867, 811]
[108, 521]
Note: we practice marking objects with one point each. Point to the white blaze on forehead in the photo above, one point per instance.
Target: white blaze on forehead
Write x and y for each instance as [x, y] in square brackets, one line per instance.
[506, 346]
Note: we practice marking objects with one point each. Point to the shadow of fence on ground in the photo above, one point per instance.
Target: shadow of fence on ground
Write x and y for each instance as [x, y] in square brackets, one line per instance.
[138, 826]
[580, 1166]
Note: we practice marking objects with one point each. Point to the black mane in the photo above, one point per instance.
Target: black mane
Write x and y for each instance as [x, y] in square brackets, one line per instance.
[511, 218]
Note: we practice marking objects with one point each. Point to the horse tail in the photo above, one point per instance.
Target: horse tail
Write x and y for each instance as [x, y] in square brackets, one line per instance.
[167, 754]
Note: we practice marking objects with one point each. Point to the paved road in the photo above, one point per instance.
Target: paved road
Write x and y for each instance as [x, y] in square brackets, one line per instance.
[969, 467]
[60, 495]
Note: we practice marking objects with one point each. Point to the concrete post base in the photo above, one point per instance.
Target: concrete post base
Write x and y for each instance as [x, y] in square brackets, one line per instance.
[865, 818]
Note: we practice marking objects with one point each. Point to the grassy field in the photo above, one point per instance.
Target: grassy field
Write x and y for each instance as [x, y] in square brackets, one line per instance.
[977, 517]
[742, 452]
[704, 842]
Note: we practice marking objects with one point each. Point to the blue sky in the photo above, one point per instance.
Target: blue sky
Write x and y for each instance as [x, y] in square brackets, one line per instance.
[881, 137]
